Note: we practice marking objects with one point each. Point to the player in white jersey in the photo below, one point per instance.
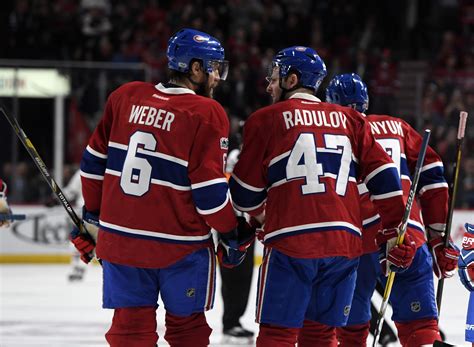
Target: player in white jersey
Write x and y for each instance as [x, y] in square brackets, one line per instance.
[4, 208]
[73, 192]
[466, 274]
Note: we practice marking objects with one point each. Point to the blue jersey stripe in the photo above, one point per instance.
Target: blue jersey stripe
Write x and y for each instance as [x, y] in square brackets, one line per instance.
[244, 197]
[162, 169]
[330, 161]
[384, 182]
[92, 164]
[209, 197]
[404, 170]
[431, 176]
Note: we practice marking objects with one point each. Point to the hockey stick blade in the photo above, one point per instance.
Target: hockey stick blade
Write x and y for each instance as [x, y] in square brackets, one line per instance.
[11, 217]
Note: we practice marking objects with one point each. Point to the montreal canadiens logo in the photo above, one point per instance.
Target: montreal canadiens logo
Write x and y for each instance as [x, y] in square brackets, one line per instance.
[300, 49]
[199, 38]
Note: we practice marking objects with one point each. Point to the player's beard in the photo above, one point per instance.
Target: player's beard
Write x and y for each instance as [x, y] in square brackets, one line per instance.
[205, 90]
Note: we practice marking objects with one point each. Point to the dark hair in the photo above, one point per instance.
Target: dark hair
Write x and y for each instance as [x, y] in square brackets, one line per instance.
[178, 75]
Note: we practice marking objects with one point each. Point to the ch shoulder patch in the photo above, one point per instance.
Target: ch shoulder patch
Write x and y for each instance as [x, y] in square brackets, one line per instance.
[224, 143]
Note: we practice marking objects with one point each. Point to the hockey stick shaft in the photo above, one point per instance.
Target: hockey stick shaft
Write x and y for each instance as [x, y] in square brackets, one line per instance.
[401, 235]
[42, 168]
[453, 187]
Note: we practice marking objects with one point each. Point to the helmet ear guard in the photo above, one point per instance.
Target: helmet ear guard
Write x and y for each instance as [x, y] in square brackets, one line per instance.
[348, 90]
[188, 45]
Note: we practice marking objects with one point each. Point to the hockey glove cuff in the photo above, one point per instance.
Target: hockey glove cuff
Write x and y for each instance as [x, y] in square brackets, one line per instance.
[445, 259]
[466, 260]
[85, 241]
[396, 258]
[232, 246]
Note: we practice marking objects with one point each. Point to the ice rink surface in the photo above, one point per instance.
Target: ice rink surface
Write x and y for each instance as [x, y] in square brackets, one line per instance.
[39, 307]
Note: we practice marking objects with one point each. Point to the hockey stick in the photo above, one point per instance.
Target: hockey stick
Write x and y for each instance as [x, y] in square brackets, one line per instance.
[401, 234]
[453, 187]
[44, 171]
[11, 217]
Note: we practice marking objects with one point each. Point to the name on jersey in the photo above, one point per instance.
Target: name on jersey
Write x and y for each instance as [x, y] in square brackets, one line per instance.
[317, 118]
[148, 115]
[385, 127]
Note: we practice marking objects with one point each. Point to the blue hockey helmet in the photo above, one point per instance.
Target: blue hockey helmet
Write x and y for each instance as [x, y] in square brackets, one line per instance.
[303, 60]
[348, 90]
[189, 44]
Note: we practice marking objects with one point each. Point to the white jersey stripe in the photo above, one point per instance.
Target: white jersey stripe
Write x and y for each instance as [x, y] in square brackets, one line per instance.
[151, 153]
[95, 153]
[154, 233]
[208, 183]
[432, 186]
[91, 176]
[278, 158]
[378, 170]
[312, 226]
[370, 220]
[153, 181]
[118, 145]
[247, 186]
[386, 195]
[215, 209]
[246, 209]
[432, 165]
[113, 172]
[170, 185]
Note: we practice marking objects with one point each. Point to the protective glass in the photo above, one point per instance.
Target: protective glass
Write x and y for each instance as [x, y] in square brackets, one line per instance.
[270, 70]
[221, 66]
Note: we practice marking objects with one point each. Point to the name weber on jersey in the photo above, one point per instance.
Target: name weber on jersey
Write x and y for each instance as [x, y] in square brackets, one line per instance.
[148, 115]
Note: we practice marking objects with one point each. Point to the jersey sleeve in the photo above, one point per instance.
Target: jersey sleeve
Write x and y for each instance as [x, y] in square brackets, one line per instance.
[248, 181]
[209, 187]
[432, 187]
[94, 160]
[380, 175]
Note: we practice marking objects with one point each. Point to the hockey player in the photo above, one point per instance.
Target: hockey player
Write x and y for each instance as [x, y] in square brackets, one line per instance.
[235, 284]
[412, 297]
[466, 274]
[300, 161]
[4, 208]
[152, 175]
[73, 192]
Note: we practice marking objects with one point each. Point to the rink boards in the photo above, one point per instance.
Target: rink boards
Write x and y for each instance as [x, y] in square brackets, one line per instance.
[43, 236]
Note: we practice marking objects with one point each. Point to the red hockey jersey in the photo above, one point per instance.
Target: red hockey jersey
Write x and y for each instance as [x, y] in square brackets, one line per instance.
[154, 170]
[403, 144]
[301, 161]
